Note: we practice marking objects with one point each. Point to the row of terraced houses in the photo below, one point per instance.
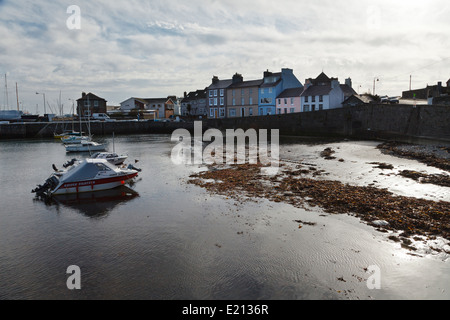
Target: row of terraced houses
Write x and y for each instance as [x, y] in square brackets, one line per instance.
[276, 93]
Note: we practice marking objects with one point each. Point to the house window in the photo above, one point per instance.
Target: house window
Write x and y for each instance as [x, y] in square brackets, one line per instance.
[215, 93]
[222, 101]
[215, 101]
[320, 106]
[306, 99]
[292, 110]
[250, 91]
[285, 101]
[86, 103]
[292, 101]
[262, 90]
[222, 92]
[242, 101]
[285, 110]
[306, 108]
[250, 100]
[250, 111]
[242, 91]
[320, 98]
[279, 101]
[211, 113]
[270, 90]
[210, 93]
[211, 101]
[233, 92]
[96, 103]
[279, 110]
[234, 101]
[313, 99]
[232, 112]
[222, 112]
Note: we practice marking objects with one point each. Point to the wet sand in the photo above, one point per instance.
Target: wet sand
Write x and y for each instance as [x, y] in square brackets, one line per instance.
[351, 178]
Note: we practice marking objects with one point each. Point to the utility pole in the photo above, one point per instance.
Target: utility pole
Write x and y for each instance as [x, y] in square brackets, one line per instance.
[410, 82]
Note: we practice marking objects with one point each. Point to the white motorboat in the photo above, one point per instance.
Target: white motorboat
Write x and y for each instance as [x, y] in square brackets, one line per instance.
[111, 157]
[85, 146]
[85, 176]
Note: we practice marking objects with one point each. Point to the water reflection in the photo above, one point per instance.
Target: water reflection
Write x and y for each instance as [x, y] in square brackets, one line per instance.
[95, 204]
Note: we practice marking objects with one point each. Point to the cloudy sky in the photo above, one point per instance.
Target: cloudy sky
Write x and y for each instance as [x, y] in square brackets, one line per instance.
[158, 48]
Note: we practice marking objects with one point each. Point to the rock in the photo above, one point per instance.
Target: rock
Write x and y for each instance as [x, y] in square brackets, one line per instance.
[380, 223]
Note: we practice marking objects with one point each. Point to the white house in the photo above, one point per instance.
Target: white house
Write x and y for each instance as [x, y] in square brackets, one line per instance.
[324, 93]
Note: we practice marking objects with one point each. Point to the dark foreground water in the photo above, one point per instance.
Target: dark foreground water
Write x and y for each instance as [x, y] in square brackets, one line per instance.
[166, 239]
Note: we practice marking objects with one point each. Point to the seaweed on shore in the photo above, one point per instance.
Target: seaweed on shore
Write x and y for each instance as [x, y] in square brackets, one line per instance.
[428, 158]
[411, 215]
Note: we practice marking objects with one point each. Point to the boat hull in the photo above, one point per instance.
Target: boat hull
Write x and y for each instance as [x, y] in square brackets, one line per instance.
[93, 185]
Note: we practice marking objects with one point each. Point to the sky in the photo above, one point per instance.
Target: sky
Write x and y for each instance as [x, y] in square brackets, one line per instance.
[153, 49]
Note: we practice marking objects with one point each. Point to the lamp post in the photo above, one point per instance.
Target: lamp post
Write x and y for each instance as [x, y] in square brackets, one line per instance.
[45, 109]
[374, 79]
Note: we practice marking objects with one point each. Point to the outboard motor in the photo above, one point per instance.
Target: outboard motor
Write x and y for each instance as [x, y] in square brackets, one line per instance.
[50, 184]
[131, 167]
[69, 163]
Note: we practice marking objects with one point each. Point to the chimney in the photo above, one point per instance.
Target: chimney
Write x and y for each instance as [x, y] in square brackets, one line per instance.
[348, 82]
[83, 95]
[267, 73]
[215, 79]
[334, 83]
[237, 78]
[185, 94]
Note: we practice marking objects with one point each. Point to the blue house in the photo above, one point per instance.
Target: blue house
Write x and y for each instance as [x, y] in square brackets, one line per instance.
[273, 85]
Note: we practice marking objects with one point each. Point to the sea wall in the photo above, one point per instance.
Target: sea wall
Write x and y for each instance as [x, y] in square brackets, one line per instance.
[391, 122]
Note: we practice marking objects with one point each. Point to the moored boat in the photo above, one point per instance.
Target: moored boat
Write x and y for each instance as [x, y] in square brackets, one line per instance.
[111, 157]
[85, 176]
[85, 146]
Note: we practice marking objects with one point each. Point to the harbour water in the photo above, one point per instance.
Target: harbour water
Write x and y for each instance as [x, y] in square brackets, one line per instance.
[162, 238]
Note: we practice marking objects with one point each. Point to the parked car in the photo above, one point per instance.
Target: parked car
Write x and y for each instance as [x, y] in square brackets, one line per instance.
[102, 117]
[394, 100]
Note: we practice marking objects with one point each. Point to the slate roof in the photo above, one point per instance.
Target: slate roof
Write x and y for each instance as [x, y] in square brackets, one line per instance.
[250, 83]
[317, 91]
[221, 84]
[293, 92]
[91, 96]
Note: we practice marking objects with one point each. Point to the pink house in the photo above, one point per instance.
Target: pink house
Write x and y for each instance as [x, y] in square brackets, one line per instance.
[289, 101]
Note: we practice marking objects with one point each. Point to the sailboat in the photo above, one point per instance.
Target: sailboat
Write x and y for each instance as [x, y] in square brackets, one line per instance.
[86, 145]
[8, 114]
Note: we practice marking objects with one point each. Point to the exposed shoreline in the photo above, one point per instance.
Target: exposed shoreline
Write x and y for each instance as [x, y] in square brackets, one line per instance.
[302, 186]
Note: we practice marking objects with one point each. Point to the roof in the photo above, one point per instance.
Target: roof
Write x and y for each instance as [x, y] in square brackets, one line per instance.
[293, 92]
[195, 95]
[362, 98]
[348, 91]
[90, 96]
[271, 84]
[249, 83]
[220, 84]
[317, 91]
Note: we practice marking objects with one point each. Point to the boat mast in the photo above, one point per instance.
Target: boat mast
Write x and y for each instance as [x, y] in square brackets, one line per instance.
[6, 94]
[17, 97]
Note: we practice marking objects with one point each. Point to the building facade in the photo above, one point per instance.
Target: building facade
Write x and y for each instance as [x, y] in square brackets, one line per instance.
[194, 104]
[216, 98]
[242, 97]
[324, 93]
[89, 104]
[289, 101]
[273, 85]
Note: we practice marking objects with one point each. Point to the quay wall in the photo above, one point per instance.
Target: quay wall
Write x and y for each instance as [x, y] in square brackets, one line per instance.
[387, 122]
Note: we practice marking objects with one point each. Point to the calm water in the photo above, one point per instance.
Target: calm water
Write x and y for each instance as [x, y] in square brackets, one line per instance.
[166, 239]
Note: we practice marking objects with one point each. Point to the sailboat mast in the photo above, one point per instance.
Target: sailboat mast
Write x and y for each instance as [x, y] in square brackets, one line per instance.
[6, 94]
[17, 97]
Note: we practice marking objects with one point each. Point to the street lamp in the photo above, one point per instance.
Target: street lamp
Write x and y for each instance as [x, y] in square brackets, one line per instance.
[45, 109]
[375, 79]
